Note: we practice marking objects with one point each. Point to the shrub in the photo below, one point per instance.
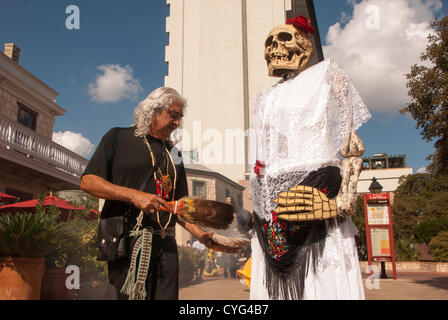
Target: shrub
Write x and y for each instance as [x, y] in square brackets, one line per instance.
[30, 234]
[83, 252]
[428, 229]
[405, 250]
[439, 247]
[79, 247]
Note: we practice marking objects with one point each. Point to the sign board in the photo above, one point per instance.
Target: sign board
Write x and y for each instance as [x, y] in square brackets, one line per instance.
[379, 229]
[377, 214]
[380, 242]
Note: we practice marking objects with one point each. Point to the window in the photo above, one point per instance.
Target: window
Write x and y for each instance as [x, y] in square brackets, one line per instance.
[23, 196]
[27, 117]
[199, 190]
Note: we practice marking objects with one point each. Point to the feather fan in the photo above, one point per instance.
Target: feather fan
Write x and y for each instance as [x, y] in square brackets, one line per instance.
[206, 213]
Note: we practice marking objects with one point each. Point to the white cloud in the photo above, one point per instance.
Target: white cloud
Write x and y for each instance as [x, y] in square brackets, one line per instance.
[74, 142]
[114, 83]
[378, 46]
[344, 18]
[422, 170]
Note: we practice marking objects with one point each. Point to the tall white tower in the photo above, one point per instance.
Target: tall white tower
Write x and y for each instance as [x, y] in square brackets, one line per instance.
[215, 59]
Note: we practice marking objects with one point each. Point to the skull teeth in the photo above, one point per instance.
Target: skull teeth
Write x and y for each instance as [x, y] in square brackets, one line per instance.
[278, 57]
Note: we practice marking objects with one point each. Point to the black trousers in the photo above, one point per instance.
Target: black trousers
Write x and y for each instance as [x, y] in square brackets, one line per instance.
[162, 280]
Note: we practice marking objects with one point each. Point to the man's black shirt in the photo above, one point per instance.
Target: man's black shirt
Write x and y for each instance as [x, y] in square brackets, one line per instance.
[124, 159]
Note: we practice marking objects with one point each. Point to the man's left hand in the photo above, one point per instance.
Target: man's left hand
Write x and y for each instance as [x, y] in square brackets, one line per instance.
[206, 238]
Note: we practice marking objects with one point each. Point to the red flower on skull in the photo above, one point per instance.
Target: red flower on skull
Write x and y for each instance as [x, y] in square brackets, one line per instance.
[301, 23]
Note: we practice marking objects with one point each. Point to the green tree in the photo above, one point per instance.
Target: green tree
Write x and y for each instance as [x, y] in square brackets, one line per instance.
[428, 90]
[359, 221]
[428, 229]
[419, 198]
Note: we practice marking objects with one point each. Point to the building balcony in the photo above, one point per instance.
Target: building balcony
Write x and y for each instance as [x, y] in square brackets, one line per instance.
[28, 154]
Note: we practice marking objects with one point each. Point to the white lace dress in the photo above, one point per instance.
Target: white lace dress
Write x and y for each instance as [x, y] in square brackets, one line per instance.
[298, 126]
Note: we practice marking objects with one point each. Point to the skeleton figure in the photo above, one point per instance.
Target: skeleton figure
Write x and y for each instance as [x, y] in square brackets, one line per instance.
[304, 193]
[288, 51]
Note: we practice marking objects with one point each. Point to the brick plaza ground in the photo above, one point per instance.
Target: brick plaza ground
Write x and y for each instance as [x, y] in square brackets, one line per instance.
[408, 286]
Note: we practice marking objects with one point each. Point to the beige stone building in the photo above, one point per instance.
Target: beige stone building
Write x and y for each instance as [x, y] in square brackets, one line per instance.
[208, 184]
[387, 170]
[30, 162]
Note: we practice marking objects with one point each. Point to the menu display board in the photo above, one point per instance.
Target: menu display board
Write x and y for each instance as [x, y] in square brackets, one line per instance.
[377, 214]
[380, 242]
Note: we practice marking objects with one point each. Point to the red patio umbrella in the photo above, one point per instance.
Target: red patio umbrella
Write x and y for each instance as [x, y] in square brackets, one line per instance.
[93, 214]
[30, 205]
[7, 198]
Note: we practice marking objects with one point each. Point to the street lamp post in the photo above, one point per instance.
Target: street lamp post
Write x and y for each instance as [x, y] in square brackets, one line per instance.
[375, 186]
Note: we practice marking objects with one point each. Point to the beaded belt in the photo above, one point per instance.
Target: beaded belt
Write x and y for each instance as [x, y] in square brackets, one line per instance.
[171, 231]
[135, 284]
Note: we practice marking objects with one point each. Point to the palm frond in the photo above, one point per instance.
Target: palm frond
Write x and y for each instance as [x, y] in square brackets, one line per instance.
[30, 234]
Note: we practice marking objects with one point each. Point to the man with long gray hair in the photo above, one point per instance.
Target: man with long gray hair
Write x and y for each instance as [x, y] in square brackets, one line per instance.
[133, 169]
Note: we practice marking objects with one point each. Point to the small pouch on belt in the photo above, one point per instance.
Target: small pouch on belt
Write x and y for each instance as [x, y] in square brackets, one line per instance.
[113, 240]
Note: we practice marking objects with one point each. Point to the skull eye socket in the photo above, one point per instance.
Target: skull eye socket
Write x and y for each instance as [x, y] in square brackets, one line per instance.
[284, 36]
[268, 41]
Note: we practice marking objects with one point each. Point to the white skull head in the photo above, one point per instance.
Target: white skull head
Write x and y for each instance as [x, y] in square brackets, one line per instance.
[287, 49]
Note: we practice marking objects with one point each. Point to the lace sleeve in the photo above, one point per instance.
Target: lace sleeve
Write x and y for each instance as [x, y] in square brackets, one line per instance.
[348, 99]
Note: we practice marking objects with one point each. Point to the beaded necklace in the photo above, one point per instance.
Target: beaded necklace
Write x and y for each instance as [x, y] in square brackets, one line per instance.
[162, 184]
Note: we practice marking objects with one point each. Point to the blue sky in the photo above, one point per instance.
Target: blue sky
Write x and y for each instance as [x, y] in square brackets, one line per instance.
[131, 36]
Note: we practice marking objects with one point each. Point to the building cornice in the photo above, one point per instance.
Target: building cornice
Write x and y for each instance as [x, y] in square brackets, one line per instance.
[17, 79]
[387, 169]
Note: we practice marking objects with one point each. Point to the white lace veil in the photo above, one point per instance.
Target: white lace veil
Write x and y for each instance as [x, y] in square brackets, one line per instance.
[299, 126]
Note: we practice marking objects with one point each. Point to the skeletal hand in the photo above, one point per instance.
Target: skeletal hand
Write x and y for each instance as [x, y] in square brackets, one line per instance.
[346, 199]
[351, 168]
[301, 203]
[346, 204]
